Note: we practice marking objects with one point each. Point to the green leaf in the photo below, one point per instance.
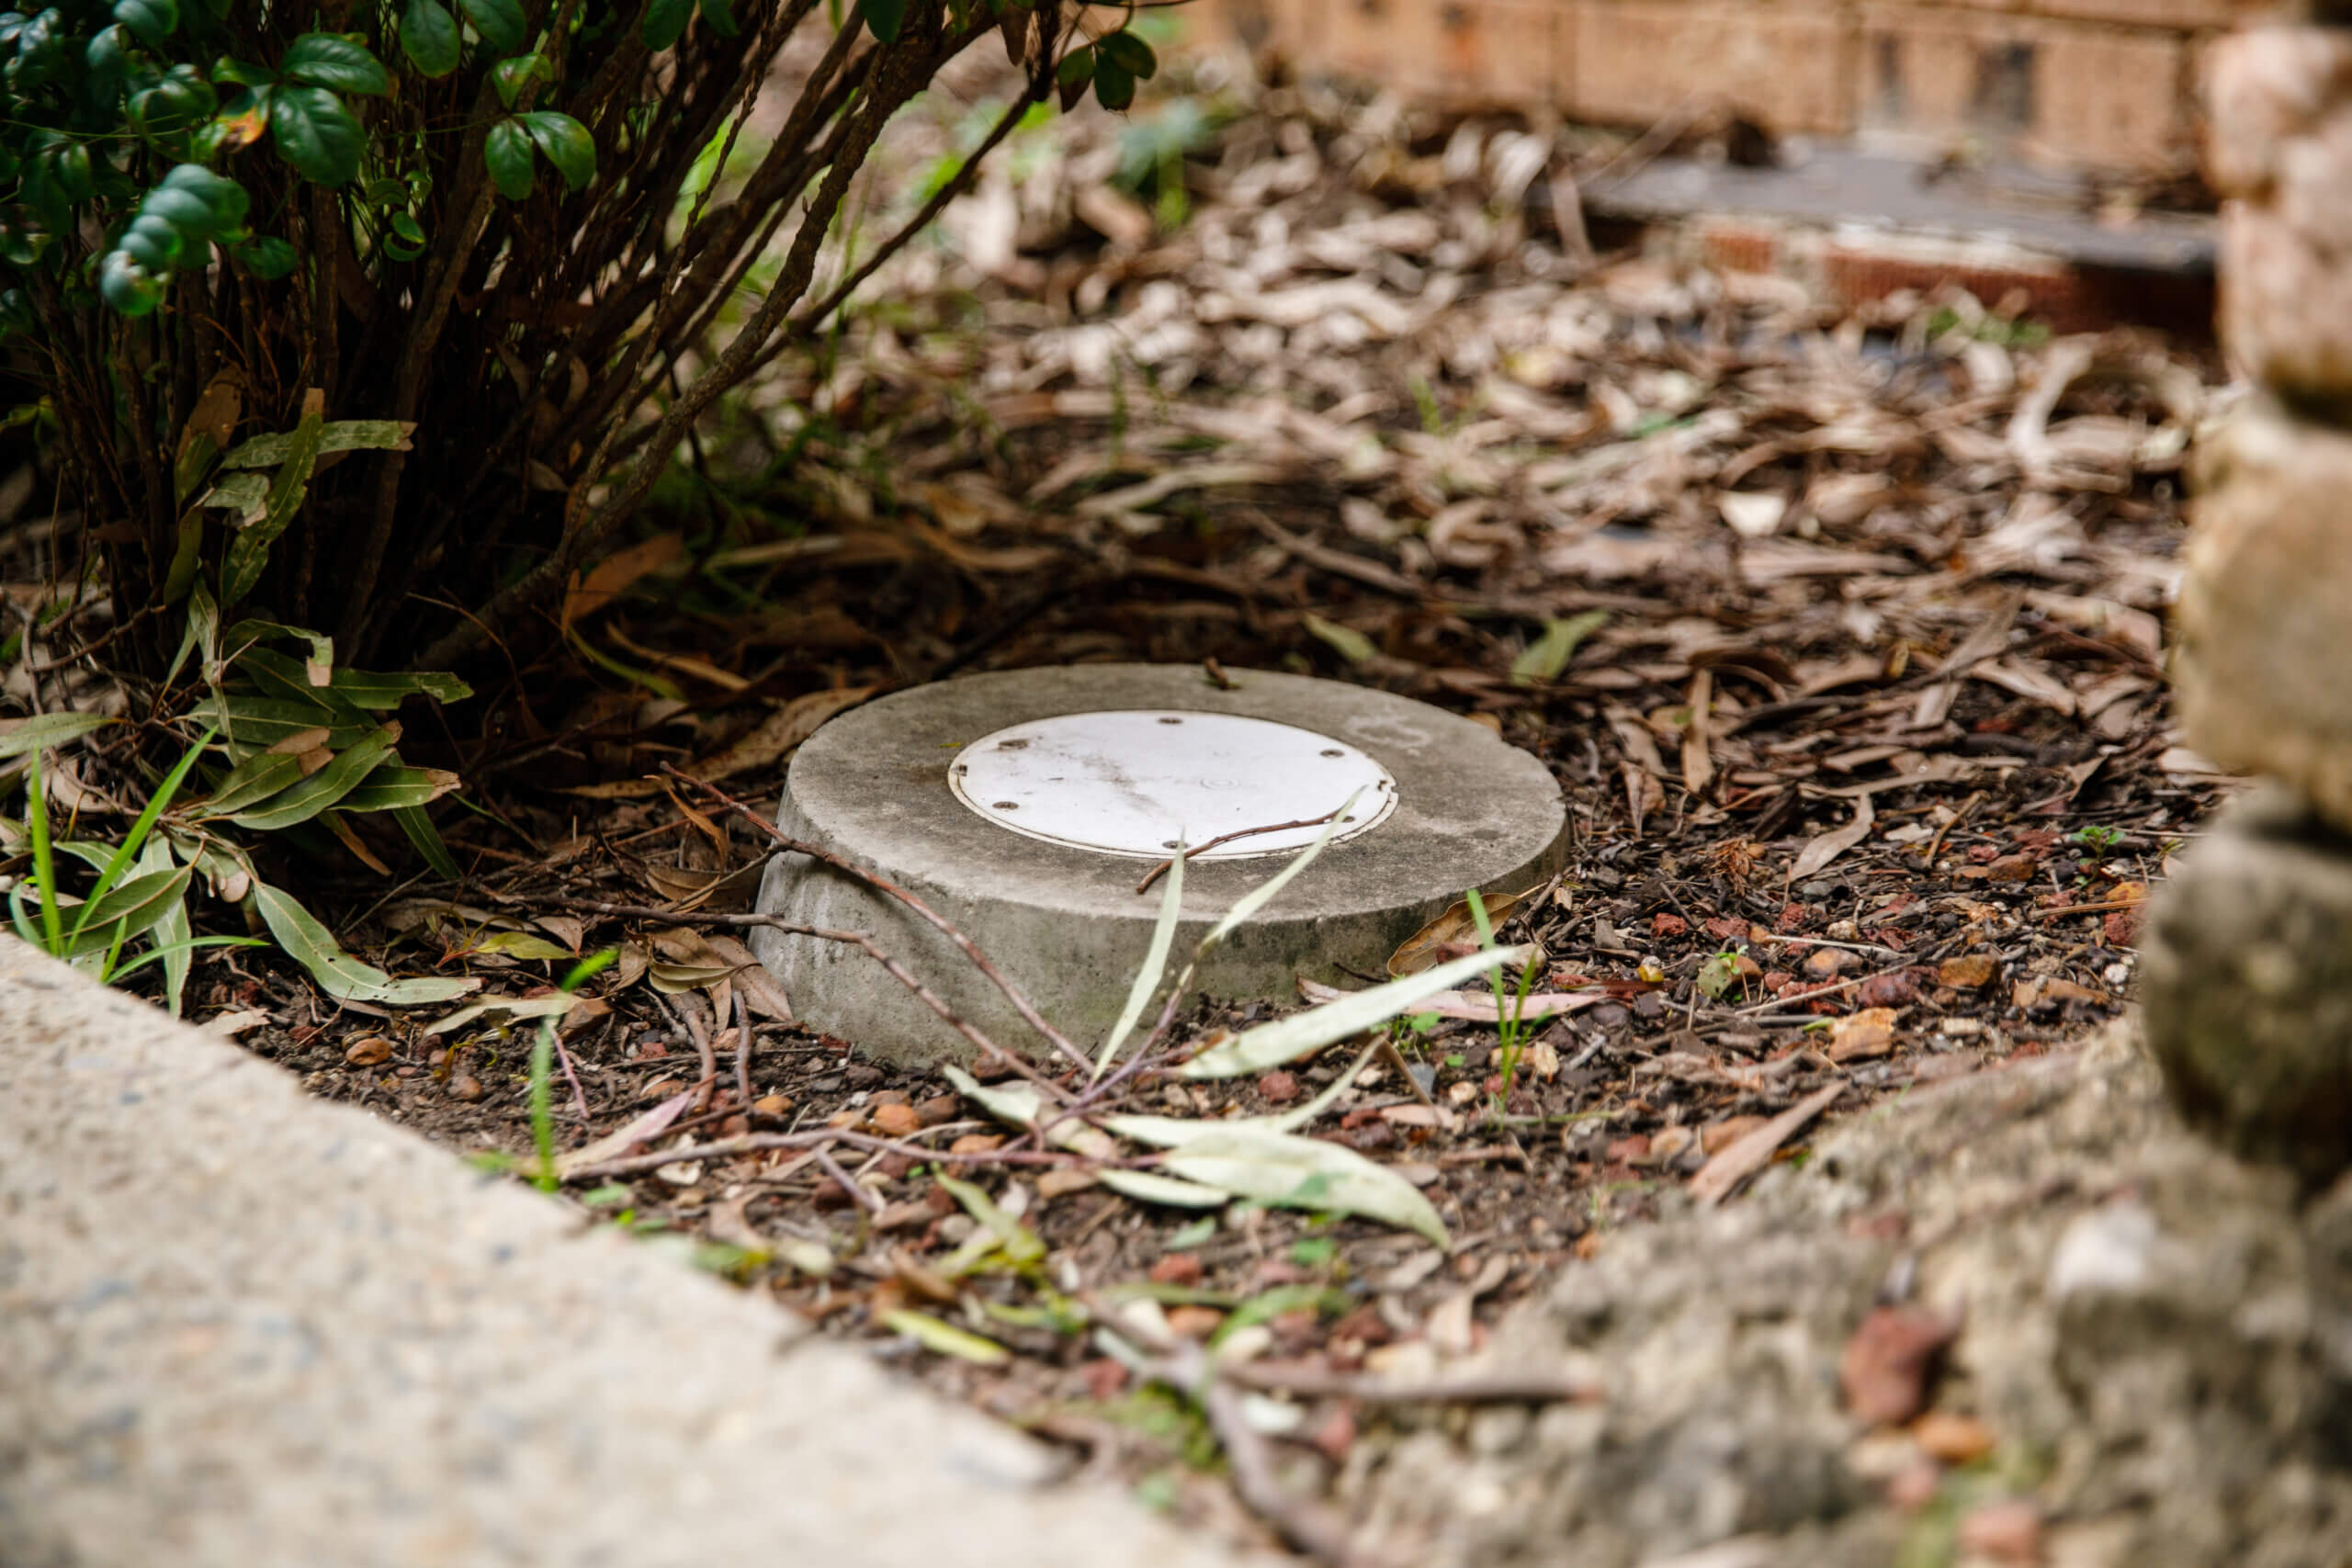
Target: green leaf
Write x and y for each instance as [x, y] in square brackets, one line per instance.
[302, 801]
[128, 287]
[426, 839]
[1074, 74]
[1155, 961]
[338, 435]
[665, 23]
[150, 21]
[269, 258]
[566, 143]
[1549, 654]
[249, 551]
[507, 151]
[134, 907]
[315, 133]
[169, 109]
[250, 783]
[1346, 641]
[1114, 86]
[1286, 1040]
[136, 838]
[245, 494]
[255, 723]
[500, 22]
[883, 17]
[329, 60]
[1129, 53]
[44, 731]
[175, 940]
[945, 1339]
[381, 692]
[430, 37]
[1283, 1169]
[338, 974]
[510, 77]
[1020, 1242]
[719, 15]
[394, 788]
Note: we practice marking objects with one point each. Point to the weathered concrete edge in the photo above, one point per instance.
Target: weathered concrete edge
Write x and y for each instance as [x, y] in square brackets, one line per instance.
[239, 1326]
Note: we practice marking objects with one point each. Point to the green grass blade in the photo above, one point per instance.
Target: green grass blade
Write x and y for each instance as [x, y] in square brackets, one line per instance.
[136, 840]
[426, 839]
[1155, 963]
[53, 919]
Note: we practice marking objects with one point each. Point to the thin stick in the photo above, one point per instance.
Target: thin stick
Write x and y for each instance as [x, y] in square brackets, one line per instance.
[1487, 1388]
[757, 1143]
[869, 1202]
[1021, 1003]
[579, 1095]
[1302, 1521]
[1157, 872]
[742, 1049]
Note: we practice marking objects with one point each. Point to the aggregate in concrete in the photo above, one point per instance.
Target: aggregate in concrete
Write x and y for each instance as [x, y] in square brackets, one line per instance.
[1066, 924]
[240, 1328]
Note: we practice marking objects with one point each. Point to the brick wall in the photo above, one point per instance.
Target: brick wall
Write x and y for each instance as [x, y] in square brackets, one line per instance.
[2094, 85]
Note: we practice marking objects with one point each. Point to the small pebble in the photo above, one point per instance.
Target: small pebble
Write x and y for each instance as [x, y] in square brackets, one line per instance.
[1177, 1269]
[369, 1052]
[773, 1104]
[1826, 963]
[1278, 1087]
[1189, 1321]
[895, 1121]
[467, 1088]
[1950, 1439]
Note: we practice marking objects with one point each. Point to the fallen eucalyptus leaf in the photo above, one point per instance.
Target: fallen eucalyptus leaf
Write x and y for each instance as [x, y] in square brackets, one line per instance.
[1288, 1171]
[946, 1339]
[1286, 1040]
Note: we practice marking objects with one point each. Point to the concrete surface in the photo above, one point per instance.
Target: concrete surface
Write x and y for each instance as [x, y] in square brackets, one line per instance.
[1835, 188]
[240, 1328]
[1066, 924]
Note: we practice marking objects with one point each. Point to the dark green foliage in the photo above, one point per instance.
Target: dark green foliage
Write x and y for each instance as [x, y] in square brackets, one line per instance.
[459, 221]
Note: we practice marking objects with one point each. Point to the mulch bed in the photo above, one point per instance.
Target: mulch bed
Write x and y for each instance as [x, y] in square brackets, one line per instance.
[1842, 635]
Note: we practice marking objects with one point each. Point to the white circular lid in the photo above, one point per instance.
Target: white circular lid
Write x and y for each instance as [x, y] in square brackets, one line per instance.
[1135, 782]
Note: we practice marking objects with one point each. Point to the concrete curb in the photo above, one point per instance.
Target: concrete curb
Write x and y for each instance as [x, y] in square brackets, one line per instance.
[239, 1326]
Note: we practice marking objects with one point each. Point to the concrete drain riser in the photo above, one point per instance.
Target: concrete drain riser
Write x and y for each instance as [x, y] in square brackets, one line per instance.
[1026, 806]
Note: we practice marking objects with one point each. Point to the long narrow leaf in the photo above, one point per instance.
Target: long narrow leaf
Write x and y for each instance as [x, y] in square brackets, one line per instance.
[136, 840]
[251, 782]
[1155, 961]
[133, 908]
[1290, 1171]
[395, 788]
[302, 801]
[425, 837]
[1174, 1191]
[338, 974]
[1259, 897]
[46, 732]
[173, 940]
[53, 921]
[1287, 1039]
